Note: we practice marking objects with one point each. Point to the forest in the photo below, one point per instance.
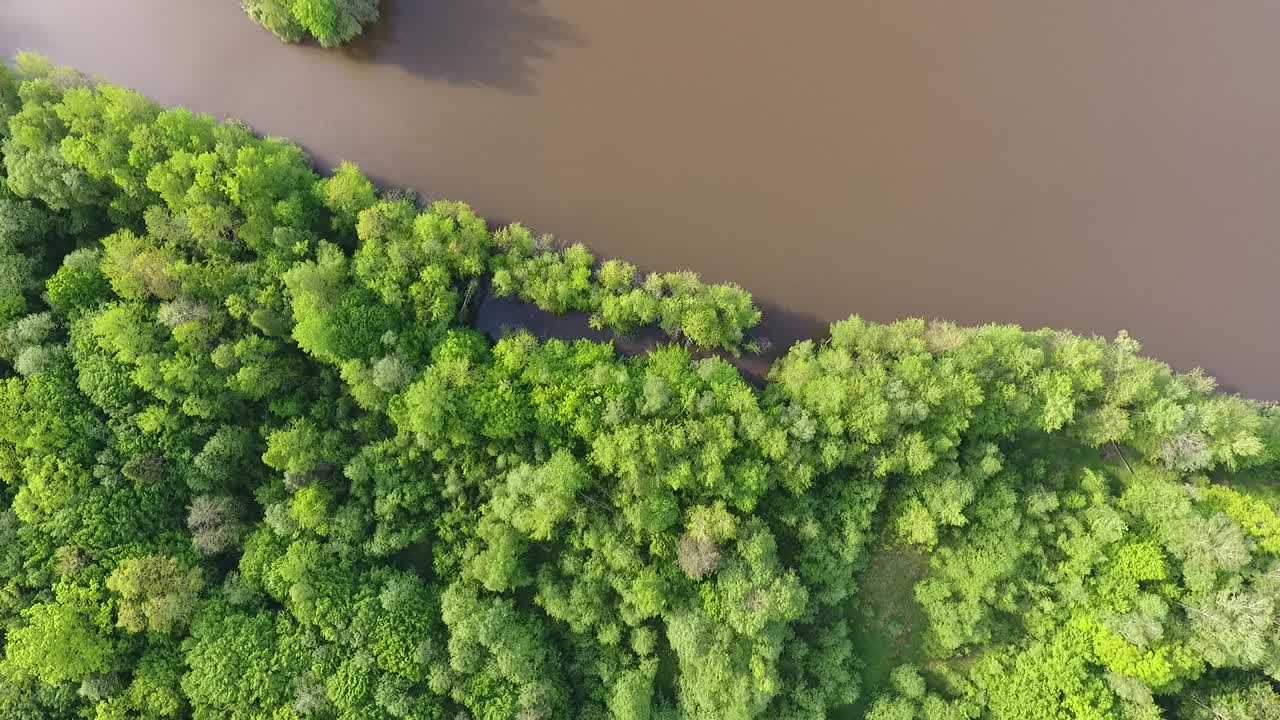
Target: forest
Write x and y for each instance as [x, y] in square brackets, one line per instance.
[257, 462]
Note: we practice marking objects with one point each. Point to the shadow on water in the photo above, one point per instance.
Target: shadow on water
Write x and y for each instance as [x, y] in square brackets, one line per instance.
[472, 43]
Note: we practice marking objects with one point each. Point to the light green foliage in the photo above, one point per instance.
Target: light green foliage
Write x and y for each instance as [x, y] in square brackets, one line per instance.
[499, 663]
[238, 667]
[254, 463]
[33, 157]
[100, 122]
[1254, 516]
[421, 263]
[135, 270]
[331, 22]
[276, 16]
[334, 320]
[57, 643]
[78, 285]
[680, 304]
[708, 316]
[301, 449]
[346, 194]
[310, 508]
[534, 500]
[156, 592]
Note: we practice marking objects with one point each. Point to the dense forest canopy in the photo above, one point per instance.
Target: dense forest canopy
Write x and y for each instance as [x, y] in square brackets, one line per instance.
[330, 22]
[255, 463]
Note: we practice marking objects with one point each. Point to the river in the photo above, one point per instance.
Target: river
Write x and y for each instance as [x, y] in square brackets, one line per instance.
[1092, 165]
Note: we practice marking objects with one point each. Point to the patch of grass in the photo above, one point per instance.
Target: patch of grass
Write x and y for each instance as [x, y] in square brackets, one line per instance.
[888, 625]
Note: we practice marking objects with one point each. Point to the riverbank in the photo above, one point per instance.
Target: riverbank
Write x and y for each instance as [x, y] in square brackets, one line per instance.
[970, 163]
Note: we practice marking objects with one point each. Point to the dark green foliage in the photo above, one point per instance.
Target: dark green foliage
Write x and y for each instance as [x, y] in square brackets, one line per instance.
[254, 464]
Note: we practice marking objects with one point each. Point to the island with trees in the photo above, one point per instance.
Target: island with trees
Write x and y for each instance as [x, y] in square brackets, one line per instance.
[257, 462]
[330, 22]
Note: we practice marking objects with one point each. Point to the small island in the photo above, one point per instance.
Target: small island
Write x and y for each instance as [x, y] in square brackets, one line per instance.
[331, 22]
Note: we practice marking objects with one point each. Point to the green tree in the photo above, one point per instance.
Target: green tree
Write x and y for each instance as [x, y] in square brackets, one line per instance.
[331, 22]
[157, 593]
[57, 643]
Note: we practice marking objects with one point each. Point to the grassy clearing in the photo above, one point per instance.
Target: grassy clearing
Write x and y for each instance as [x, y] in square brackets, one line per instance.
[888, 626]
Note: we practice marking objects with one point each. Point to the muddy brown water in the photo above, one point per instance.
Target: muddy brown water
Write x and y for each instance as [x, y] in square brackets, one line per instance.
[1092, 165]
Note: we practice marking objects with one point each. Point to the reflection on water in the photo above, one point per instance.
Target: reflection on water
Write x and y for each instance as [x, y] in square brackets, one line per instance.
[1092, 165]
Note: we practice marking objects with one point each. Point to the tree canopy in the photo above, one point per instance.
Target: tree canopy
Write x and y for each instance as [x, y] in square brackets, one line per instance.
[330, 22]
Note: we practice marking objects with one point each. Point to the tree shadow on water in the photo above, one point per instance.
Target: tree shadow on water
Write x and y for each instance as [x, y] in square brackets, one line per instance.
[473, 43]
